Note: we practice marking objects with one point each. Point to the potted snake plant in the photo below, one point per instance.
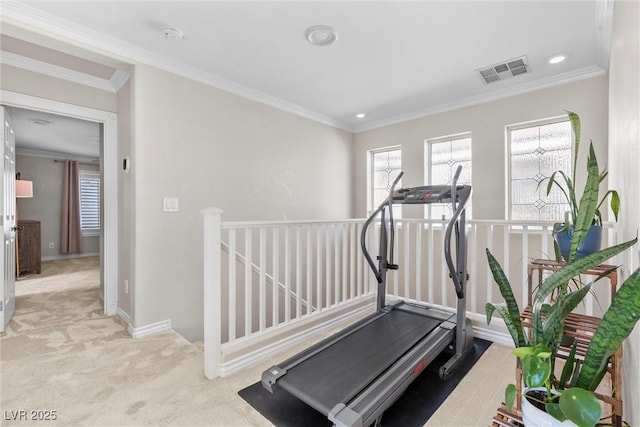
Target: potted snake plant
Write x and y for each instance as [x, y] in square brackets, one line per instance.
[569, 397]
[581, 231]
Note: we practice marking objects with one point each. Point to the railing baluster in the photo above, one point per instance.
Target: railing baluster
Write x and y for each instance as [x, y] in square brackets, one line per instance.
[506, 250]
[361, 265]
[319, 304]
[336, 264]
[327, 260]
[525, 260]
[489, 275]
[263, 279]
[287, 274]
[444, 274]
[298, 274]
[233, 310]
[276, 276]
[343, 267]
[418, 261]
[352, 259]
[474, 266]
[247, 283]
[309, 272]
[431, 280]
[407, 259]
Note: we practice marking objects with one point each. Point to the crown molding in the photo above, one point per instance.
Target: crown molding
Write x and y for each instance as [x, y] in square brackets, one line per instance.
[572, 76]
[30, 64]
[35, 20]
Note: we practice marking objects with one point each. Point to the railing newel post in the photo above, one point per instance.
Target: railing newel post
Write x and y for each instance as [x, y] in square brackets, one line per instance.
[212, 293]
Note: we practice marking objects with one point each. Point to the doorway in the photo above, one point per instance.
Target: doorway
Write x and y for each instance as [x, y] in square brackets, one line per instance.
[108, 168]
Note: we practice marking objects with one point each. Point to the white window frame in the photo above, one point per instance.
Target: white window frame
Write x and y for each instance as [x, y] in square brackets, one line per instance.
[397, 211]
[86, 174]
[524, 125]
[427, 162]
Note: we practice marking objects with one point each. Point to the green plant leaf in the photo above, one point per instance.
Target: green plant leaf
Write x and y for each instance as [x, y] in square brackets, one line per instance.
[535, 371]
[580, 406]
[513, 311]
[510, 394]
[569, 366]
[577, 128]
[588, 204]
[615, 326]
[521, 352]
[554, 410]
[514, 330]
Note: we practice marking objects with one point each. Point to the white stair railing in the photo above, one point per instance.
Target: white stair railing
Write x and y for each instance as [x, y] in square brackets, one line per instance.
[262, 278]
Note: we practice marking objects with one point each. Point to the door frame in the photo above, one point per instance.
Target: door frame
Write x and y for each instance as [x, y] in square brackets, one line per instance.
[109, 168]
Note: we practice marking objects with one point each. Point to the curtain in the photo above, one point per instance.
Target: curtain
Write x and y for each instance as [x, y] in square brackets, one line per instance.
[71, 233]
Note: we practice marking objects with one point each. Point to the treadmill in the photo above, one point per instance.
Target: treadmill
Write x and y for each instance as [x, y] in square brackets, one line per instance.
[353, 376]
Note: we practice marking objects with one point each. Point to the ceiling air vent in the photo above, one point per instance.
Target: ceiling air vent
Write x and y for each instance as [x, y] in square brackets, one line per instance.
[504, 70]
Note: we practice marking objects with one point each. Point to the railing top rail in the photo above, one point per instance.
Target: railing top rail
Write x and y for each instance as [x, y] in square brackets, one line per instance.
[255, 224]
[497, 222]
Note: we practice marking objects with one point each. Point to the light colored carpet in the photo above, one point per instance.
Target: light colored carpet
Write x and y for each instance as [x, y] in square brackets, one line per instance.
[61, 354]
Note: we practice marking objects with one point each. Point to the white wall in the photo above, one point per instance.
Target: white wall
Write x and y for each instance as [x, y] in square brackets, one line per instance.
[126, 261]
[487, 124]
[207, 147]
[624, 152]
[46, 204]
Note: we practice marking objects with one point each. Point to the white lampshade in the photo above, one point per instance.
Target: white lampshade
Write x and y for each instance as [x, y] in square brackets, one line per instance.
[24, 189]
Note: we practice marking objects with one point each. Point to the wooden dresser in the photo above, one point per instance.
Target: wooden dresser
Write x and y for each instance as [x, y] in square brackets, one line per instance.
[29, 246]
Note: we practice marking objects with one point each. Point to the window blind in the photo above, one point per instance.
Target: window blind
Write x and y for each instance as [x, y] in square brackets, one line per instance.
[89, 201]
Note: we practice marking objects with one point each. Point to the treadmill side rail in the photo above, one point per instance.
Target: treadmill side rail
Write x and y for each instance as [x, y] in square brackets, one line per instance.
[270, 377]
[343, 416]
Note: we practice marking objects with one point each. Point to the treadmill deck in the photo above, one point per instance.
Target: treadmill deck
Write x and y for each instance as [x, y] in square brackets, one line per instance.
[341, 371]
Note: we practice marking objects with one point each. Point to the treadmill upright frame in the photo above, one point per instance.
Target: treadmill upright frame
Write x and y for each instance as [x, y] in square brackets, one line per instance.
[367, 405]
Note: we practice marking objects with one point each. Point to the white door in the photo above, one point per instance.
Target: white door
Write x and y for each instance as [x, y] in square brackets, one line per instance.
[8, 221]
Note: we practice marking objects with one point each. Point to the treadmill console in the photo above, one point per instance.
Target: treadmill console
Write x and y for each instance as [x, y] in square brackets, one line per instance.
[429, 194]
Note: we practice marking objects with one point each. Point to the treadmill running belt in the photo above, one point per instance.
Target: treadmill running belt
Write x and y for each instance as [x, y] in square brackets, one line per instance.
[342, 370]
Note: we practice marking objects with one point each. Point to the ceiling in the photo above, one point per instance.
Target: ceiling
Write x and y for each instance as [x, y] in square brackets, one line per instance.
[393, 60]
[40, 133]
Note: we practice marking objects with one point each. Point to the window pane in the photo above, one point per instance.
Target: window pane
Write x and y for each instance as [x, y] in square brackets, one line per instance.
[386, 167]
[444, 158]
[536, 152]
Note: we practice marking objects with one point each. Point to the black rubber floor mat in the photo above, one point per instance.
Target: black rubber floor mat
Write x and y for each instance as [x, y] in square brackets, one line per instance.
[413, 408]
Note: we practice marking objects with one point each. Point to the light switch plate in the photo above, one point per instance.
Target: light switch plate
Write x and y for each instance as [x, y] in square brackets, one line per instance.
[170, 204]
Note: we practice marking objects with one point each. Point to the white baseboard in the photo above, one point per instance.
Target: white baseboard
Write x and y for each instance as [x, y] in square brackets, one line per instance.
[147, 330]
[123, 316]
[69, 256]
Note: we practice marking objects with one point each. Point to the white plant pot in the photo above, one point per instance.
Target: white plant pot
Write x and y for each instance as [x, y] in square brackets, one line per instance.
[534, 417]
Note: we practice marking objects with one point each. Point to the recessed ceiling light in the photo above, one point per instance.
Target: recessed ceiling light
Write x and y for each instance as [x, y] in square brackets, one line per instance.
[172, 33]
[41, 122]
[321, 35]
[556, 59]
[361, 115]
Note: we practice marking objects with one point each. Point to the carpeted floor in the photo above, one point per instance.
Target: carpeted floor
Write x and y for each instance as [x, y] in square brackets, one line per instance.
[60, 354]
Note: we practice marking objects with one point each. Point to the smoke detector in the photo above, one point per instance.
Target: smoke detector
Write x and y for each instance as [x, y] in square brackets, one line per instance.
[504, 70]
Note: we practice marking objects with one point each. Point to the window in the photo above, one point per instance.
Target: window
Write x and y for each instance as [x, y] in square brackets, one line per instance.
[89, 202]
[536, 151]
[444, 155]
[385, 165]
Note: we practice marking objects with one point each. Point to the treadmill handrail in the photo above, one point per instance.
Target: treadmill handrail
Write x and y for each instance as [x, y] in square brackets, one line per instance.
[453, 223]
[363, 240]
